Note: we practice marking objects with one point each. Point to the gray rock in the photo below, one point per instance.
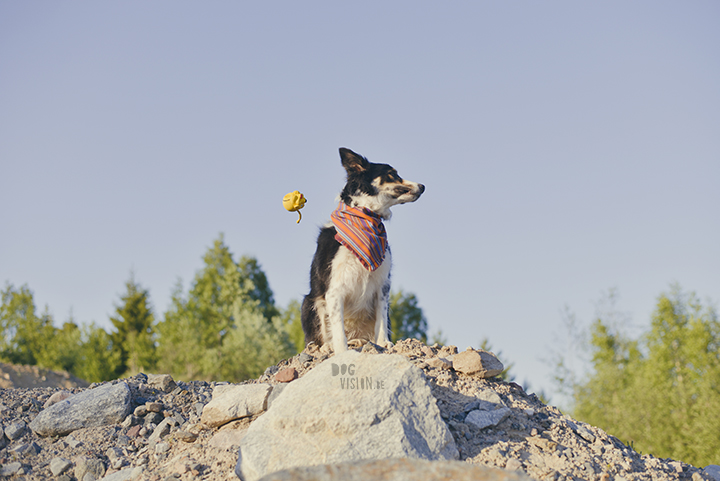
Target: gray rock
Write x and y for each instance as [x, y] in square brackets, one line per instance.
[11, 469]
[713, 470]
[85, 466]
[480, 362]
[163, 382]
[59, 465]
[103, 405]
[162, 430]
[56, 398]
[351, 407]
[485, 419]
[230, 402]
[126, 474]
[15, 430]
[396, 470]
[27, 449]
[276, 390]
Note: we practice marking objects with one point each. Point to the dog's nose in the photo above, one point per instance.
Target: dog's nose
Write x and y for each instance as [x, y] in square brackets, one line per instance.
[421, 187]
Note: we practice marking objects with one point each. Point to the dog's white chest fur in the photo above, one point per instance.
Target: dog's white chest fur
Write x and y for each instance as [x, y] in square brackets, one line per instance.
[356, 296]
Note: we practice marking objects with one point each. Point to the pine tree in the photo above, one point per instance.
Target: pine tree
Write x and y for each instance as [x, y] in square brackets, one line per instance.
[221, 309]
[24, 336]
[134, 337]
[406, 317]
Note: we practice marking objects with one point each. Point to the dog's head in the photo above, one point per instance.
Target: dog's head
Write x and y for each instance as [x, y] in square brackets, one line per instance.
[375, 186]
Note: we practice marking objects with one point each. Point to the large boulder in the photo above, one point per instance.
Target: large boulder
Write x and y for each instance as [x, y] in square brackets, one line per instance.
[107, 404]
[232, 401]
[351, 407]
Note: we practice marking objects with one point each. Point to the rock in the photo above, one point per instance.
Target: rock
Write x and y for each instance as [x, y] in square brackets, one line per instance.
[162, 430]
[153, 407]
[15, 430]
[231, 401]
[164, 382]
[276, 390]
[57, 397]
[304, 357]
[108, 404]
[713, 470]
[286, 375]
[479, 362]
[92, 466]
[27, 449]
[351, 407]
[396, 470]
[439, 363]
[227, 438]
[126, 474]
[59, 465]
[11, 469]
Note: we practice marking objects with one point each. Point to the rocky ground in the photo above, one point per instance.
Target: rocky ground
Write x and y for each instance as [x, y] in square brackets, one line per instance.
[164, 438]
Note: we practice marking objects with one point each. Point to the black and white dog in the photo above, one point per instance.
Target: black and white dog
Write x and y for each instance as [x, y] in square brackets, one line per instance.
[350, 273]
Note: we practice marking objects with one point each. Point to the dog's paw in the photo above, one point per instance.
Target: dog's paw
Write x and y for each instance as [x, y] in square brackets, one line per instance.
[356, 343]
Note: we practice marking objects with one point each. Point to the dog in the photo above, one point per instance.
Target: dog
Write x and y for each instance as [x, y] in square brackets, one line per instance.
[350, 272]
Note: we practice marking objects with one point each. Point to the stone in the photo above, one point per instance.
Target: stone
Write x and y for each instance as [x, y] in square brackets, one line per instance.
[126, 474]
[713, 470]
[162, 430]
[352, 407]
[27, 449]
[227, 438]
[11, 469]
[480, 362]
[232, 401]
[162, 448]
[91, 466]
[304, 357]
[15, 430]
[186, 436]
[59, 465]
[163, 382]
[439, 363]
[57, 397]
[286, 375]
[153, 407]
[396, 470]
[108, 404]
[276, 390]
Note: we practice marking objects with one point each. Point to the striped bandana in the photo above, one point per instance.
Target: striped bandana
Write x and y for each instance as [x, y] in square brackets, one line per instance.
[361, 231]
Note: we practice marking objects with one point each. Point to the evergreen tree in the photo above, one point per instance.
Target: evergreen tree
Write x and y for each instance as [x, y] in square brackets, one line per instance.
[134, 338]
[406, 317]
[96, 359]
[223, 303]
[24, 335]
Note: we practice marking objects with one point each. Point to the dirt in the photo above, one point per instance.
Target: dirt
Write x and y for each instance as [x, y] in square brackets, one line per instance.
[532, 438]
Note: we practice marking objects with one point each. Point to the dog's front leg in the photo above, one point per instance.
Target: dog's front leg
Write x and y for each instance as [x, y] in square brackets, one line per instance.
[335, 311]
[382, 334]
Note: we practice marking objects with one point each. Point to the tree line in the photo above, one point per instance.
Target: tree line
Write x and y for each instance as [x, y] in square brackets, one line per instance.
[658, 392]
[226, 326]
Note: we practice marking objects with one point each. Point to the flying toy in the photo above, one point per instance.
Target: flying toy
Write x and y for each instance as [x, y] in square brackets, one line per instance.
[293, 202]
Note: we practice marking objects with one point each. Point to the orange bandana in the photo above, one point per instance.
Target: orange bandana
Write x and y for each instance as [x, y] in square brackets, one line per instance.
[361, 231]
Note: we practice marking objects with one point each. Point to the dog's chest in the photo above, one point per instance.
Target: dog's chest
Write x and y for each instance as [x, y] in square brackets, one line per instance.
[357, 285]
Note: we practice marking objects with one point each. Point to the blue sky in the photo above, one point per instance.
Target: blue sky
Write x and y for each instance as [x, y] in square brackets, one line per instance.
[567, 148]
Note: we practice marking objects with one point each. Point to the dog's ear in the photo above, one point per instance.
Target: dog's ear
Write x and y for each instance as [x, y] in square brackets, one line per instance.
[353, 163]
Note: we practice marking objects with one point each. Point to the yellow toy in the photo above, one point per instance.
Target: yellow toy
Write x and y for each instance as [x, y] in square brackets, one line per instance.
[294, 201]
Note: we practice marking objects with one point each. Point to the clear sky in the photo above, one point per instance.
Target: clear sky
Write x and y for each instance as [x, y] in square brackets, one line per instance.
[567, 148]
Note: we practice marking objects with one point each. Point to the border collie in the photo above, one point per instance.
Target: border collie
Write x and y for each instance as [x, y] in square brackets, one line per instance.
[350, 273]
